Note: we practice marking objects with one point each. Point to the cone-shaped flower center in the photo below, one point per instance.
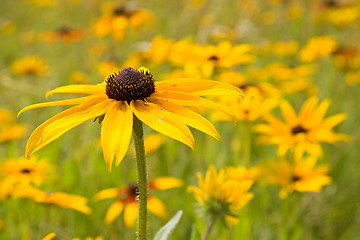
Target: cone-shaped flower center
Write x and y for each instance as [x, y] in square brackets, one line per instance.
[25, 170]
[134, 189]
[298, 129]
[130, 84]
[213, 58]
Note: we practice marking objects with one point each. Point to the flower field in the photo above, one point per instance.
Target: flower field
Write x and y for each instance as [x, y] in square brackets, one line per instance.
[194, 119]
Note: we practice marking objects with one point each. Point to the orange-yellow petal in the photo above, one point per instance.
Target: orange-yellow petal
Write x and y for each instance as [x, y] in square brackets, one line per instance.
[189, 117]
[116, 132]
[106, 193]
[79, 88]
[63, 122]
[163, 183]
[162, 121]
[157, 207]
[114, 211]
[130, 214]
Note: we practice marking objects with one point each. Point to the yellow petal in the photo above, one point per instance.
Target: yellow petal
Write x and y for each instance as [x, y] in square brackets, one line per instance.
[130, 214]
[116, 132]
[288, 113]
[163, 183]
[155, 206]
[114, 211]
[184, 99]
[106, 193]
[197, 87]
[162, 121]
[49, 236]
[63, 122]
[73, 101]
[79, 88]
[189, 117]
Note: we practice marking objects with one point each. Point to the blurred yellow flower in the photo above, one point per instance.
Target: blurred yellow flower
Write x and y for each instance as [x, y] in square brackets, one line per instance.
[250, 108]
[127, 94]
[78, 77]
[30, 65]
[107, 68]
[347, 58]
[25, 171]
[64, 33]
[241, 173]
[116, 20]
[301, 176]
[127, 200]
[60, 199]
[317, 47]
[302, 133]
[9, 129]
[353, 78]
[220, 195]
[153, 141]
[340, 14]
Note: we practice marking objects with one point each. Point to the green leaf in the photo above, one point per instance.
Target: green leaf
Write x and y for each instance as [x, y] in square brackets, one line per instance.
[195, 233]
[165, 231]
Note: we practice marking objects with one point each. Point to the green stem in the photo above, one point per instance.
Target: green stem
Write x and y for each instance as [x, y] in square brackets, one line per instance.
[209, 227]
[246, 143]
[141, 166]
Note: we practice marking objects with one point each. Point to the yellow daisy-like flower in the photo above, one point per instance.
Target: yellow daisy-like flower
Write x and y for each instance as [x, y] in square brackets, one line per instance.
[220, 194]
[127, 200]
[25, 171]
[318, 47]
[117, 19]
[30, 65]
[160, 105]
[253, 106]
[9, 129]
[65, 34]
[302, 133]
[347, 58]
[60, 199]
[301, 176]
[340, 14]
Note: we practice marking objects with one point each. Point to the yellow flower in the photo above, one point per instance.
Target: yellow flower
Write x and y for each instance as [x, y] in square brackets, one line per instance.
[117, 19]
[347, 58]
[107, 67]
[9, 129]
[153, 141]
[127, 200]
[30, 65]
[301, 176]
[340, 14]
[220, 194]
[353, 78]
[250, 108]
[25, 171]
[124, 94]
[60, 199]
[65, 34]
[302, 133]
[241, 173]
[317, 47]
[224, 55]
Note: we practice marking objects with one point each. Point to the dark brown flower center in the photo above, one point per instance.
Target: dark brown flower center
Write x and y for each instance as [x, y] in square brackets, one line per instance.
[213, 58]
[134, 189]
[25, 171]
[295, 178]
[298, 129]
[130, 84]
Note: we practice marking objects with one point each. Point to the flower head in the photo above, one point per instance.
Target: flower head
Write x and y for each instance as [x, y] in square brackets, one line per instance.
[64, 33]
[302, 176]
[220, 195]
[317, 47]
[30, 65]
[160, 105]
[127, 200]
[9, 129]
[304, 132]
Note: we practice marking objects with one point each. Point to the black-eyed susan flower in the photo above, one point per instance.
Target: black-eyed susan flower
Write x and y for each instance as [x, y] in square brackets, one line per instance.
[60, 199]
[30, 65]
[64, 33]
[304, 132]
[116, 19]
[317, 47]
[127, 200]
[347, 58]
[9, 129]
[25, 171]
[253, 106]
[302, 176]
[160, 105]
[221, 196]
[340, 13]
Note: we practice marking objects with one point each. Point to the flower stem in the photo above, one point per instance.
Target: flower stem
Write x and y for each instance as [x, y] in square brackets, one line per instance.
[209, 227]
[246, 143]
[142, 175]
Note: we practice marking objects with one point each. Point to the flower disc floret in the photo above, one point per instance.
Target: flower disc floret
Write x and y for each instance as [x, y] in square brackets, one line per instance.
[130, 84]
